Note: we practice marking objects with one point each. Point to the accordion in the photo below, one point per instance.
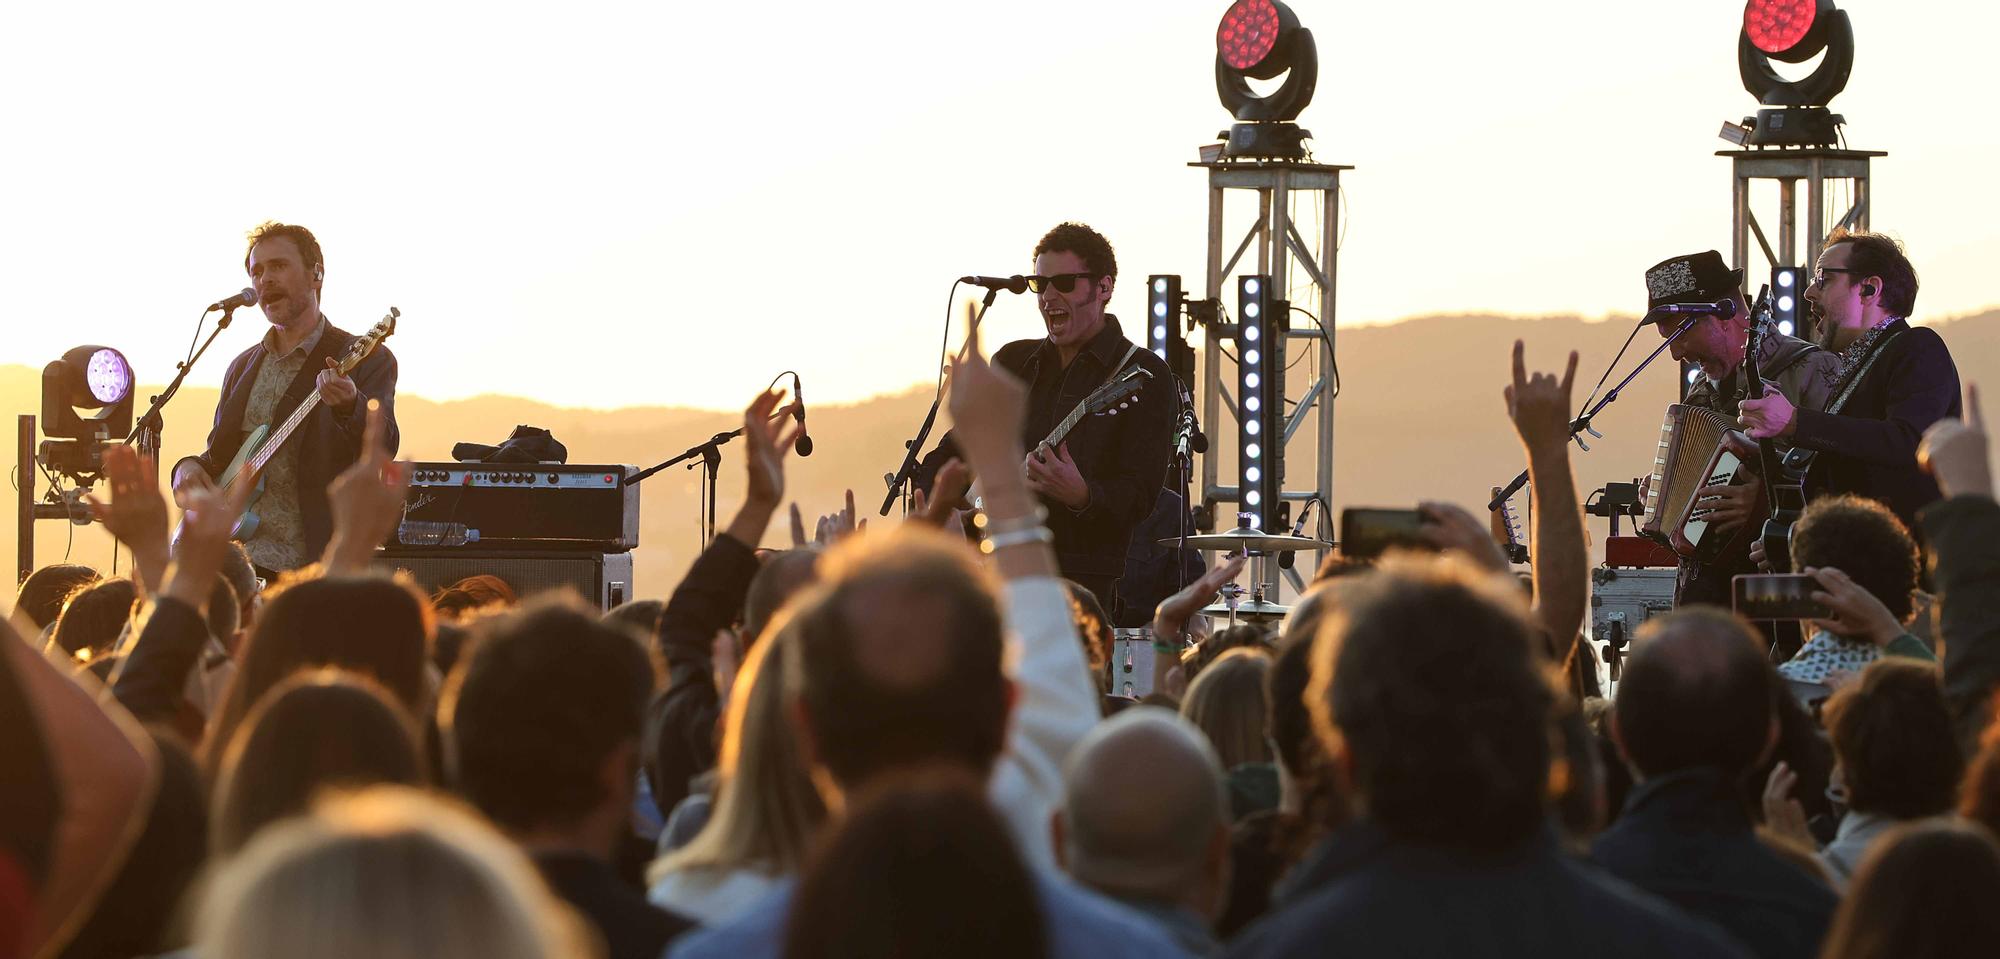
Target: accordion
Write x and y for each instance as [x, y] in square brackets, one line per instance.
[1692, 455]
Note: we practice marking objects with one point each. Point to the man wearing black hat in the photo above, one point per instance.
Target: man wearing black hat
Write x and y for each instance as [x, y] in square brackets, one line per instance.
[1790, 367]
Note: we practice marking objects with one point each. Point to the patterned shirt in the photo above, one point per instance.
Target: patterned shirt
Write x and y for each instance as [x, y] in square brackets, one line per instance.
[279, 542]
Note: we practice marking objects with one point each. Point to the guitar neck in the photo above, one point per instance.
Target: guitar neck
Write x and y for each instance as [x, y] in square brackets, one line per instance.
[277, 440]
[1069, 423]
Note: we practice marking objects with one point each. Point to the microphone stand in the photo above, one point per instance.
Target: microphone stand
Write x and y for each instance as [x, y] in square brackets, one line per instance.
[147, 431]
[711, 461]
[906, 474]
[1582, 422]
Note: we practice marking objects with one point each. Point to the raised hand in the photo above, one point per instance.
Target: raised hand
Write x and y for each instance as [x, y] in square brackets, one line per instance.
[1540, 405]
[1857, 614]
[988, 407]
[1955, 452]
[204, 539]
[137, 513]
[1782, 814]
[765, 448]
[366, 498]
[1450, 528]
[833, 527]
[1171, 617]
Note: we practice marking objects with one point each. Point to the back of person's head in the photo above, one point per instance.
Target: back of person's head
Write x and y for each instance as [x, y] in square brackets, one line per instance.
[921, 867]
[137, 913]
[766, 811]
[1227, 703]
[1878, 254]
[1296, 748]
[372, 625]
[93, 616]
[781, 576]
[1979, 794]
[545, 698]
[639, 616]
[317, 730]
[1862, 538]
[242, 577]
[471, 595]
[1145, 812]
[1696, 692]
[388, 872]
[1427, 683]
[42, 593]
[899, 659]
[1892, 732]
[1925, 890]
[1093, 628]
[1240, 636]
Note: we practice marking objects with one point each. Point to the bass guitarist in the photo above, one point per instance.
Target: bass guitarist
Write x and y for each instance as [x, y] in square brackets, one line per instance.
[1895, 380]
[266, 382]
[1789, 366]
[1100, 482]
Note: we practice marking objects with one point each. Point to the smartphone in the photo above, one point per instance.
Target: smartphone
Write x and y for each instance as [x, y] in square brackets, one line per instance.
[1367, 533]
[1777, 596]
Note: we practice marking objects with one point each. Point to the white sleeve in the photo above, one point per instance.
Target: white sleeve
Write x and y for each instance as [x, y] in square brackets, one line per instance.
[1055, 704]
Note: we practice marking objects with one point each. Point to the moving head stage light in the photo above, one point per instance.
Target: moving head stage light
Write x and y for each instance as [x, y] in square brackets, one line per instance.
[1794, 31]
[86, 378]
[1262, 39]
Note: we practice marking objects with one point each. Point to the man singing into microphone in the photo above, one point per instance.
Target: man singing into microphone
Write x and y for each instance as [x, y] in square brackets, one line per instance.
[1790, 367]
[266, 382]
[1102, 480]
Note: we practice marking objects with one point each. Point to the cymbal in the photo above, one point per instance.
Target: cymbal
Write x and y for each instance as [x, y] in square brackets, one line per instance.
[1250, 611]
[1250, 539]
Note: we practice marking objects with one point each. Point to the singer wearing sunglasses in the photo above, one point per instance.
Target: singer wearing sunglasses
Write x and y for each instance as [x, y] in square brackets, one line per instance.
[1101, 479]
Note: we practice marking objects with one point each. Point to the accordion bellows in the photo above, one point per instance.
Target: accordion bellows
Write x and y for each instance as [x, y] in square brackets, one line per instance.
[1691, 455]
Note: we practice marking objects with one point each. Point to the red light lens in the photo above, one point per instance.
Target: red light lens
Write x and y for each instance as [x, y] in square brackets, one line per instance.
[1248, 33]
[1775, 26]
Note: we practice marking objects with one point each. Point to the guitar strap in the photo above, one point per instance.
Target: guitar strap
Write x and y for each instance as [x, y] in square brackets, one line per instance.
[1861, 372]
[1131, 349]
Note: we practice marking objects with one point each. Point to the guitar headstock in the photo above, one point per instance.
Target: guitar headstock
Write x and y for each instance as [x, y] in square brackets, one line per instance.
[1117, 391]
[367, 342]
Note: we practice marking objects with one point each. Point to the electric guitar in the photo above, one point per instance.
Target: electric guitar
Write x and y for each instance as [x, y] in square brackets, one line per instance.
[265, 442]
[1116, 393]
[1784, 485]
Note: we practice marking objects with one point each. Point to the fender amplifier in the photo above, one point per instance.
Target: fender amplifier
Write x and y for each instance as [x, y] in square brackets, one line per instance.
[520, 506]
[602, 579]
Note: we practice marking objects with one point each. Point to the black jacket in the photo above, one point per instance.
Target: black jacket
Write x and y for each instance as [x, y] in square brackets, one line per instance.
[1964, 537]
[326, 443]
[632, 927]
[1122, 454]
[1686, 838]
[1529, 901]
[1870, 447]
[681, 723]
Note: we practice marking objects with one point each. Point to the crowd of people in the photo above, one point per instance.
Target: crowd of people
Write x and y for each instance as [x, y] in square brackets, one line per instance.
[885, 742]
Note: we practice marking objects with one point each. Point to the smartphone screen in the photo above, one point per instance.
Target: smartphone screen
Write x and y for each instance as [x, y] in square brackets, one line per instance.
[1366, 533]
[1777, 596]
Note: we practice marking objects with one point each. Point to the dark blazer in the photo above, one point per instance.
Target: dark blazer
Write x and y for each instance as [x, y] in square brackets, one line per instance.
[1686, 838]
[1123, 457]
[327, 442]
[1870, 447]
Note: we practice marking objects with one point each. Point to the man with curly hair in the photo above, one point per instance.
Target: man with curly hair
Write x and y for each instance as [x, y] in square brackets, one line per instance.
[1866, 564]
[1100, 482]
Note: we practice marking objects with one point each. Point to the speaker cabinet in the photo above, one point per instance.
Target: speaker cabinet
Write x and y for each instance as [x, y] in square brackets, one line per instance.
[602, 579]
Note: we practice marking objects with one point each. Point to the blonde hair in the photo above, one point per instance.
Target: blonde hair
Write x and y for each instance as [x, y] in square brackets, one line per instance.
[766, 810]
[389, 872]
[1227, 702]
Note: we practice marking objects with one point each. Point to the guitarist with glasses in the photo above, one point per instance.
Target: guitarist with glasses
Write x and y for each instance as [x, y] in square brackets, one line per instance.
[1894, 381]
[1102, 478]
[295, 361]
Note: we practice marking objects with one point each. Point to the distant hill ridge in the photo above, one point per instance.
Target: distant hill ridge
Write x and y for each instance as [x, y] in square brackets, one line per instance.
[1419, 416]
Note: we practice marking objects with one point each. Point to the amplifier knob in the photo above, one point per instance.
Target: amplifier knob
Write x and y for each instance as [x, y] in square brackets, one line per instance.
[553, 478]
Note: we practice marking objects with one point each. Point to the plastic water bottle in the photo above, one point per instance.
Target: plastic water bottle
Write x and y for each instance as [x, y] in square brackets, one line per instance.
[418, 532]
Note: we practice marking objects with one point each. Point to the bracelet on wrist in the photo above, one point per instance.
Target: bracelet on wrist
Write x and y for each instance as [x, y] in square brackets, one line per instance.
[1019, 537]
[1000, 527]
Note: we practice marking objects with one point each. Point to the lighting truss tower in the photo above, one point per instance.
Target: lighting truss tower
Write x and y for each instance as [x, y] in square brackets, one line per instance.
[1274, 250]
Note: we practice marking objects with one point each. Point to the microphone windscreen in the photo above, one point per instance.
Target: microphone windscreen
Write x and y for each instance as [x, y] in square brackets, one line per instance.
[804, 446]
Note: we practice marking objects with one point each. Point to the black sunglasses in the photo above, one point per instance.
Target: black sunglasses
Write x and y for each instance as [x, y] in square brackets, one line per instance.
[1063, 282]
[1819, 275]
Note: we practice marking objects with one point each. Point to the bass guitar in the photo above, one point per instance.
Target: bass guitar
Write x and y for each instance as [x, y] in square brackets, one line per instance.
[265, 442]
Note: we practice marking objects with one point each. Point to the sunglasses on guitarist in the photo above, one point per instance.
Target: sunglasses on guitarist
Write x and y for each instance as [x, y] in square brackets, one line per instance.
[1063, 282]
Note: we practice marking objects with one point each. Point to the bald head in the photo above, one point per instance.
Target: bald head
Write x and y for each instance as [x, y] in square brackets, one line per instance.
[1143, 803]
[1696, 692]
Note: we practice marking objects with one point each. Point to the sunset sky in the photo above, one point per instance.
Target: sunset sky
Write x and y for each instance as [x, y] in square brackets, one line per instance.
[667, 203]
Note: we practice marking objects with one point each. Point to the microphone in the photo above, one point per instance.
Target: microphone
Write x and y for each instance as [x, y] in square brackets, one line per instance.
[246, 298]
[1660, 314]
[1012, 284]
[804, 446]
